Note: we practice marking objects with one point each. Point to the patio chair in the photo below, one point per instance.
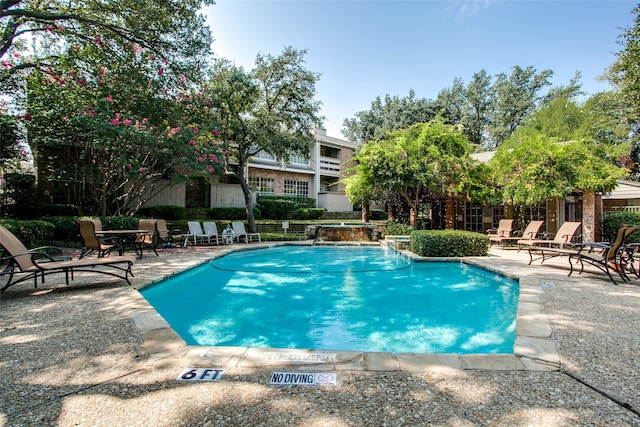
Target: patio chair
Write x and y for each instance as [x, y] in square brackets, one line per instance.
[611, 257]
[196, 231]
[529, 233]
[92, 242]
[238, 227]
[211, 230]
[165, 237]
[503, 231]
[35, 263]
[149, 240]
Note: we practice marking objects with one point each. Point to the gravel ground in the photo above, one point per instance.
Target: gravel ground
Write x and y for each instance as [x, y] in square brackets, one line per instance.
[72, 356]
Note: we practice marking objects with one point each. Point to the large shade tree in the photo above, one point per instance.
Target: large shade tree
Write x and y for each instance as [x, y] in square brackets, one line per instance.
[270, 108]
[420, 163]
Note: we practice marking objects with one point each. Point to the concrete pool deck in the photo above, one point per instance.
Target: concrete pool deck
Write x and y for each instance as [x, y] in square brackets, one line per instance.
[97, 354]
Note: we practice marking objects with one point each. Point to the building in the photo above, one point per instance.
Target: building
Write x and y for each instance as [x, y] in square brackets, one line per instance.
[317, 177]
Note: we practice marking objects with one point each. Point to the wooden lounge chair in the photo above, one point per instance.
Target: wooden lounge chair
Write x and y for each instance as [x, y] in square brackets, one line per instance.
[35, 263]
[610, 258]
[241, 232]
[529, 233]
[503, 231]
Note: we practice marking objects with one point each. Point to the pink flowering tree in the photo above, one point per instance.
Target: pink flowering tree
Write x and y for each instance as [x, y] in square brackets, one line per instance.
[35, 31]
[109, 137]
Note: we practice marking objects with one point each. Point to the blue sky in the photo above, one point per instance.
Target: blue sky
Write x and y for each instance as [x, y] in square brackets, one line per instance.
[363, 49]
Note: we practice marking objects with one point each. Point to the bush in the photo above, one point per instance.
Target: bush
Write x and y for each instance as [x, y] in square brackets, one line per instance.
[167, 212]
[277, 208]
[449, 243]
[299, 201]
[377, 215]
[65, 228]
[32, 233]
[397, 229]
[119, 222]
[310, 213]
[228, 213]
[614, 221]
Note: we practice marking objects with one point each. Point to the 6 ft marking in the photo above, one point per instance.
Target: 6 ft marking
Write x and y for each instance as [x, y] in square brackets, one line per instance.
[200, 374]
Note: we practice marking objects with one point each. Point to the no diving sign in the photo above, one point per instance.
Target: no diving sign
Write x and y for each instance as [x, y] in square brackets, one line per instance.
[304, 378]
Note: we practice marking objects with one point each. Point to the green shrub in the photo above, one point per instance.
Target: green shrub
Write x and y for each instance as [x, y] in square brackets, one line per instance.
[65, 228]
[299, 201]
[228, 213]
[168, 212]
[614, 221]
[277, 208]
[119, 222]
[449, 243]
[397, 229]
[377, 215]
[310, 213]
[32, 233]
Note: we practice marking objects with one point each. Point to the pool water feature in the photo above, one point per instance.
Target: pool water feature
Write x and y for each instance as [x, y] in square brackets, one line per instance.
[342, 299]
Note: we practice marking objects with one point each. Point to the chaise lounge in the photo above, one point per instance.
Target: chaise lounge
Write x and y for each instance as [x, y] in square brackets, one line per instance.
[31, 264]
[611, 256]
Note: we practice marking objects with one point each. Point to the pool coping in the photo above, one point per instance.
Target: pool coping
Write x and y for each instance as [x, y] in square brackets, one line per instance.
[534, 348]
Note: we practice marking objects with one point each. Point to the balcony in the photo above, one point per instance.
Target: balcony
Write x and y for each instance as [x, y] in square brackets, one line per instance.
[329, 166]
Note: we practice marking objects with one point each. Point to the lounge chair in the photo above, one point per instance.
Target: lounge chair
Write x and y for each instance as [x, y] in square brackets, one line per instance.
[32, 264]
[211, 229]
[196, 231]
[610, 258]
[561, 245]
[529, 233]
[238, 227]
[503, 231]
[92, 242]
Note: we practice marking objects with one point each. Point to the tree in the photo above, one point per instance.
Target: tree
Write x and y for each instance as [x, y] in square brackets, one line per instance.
[33, 30]
[270, 109]
[534, 168]
[516, 96]
[479, 104]
[392, 114]
[107, 133]
[425, 161]
[625, 72]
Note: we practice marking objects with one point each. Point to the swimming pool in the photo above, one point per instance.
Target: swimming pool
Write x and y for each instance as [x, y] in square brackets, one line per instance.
[340, 298]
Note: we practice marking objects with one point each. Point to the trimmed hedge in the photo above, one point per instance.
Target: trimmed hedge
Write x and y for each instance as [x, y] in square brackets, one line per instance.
[168, 212]
[310, 213]
[228, 213]
[449, 243]
[614, 221]
[398, 229]
[32, 233]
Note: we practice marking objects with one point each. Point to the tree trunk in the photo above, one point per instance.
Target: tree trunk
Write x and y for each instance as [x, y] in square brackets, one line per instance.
[251, 221]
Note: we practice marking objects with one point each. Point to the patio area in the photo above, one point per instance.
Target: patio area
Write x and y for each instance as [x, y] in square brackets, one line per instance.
[89, 354]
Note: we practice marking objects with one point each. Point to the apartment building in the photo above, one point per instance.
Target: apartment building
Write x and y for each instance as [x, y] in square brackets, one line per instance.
[317, 177]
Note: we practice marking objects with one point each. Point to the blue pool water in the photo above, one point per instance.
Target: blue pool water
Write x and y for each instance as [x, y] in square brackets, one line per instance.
[340, 298]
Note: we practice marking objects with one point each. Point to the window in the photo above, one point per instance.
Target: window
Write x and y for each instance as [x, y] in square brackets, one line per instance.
[262, 185]
[297, 159]
[264, 155]
[296, 188]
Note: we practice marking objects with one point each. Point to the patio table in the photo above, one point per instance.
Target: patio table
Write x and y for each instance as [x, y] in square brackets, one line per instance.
[126, 237]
